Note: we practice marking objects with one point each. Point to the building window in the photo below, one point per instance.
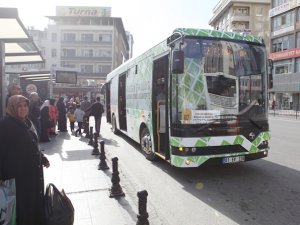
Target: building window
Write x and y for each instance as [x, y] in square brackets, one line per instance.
[259, 11]
[283, 67]
[241, 11]
[298, 14]
[87, 37]
[69, 37]
[68, 65]
[105, 37]
[240, 25]
[68, 52]
[283, 21]
[297, 65]
[54, 37]
[86, 68]
[53, 52]
[283, 43]
[87, 52]
[298, 40]
[43, 51]
[279, 2]
[105, 53]
[104, 68]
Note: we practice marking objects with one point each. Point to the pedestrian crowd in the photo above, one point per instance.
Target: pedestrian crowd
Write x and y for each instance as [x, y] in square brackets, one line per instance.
[27, 122]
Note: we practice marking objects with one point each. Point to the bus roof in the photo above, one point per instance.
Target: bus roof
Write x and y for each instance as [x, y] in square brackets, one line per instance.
[217, 34]
[185, 32]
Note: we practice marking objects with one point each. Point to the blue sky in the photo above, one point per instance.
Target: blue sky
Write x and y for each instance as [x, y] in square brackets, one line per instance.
[149, 21]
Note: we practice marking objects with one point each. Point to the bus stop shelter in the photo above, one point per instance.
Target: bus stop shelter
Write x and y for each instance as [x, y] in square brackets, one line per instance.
[16, 47]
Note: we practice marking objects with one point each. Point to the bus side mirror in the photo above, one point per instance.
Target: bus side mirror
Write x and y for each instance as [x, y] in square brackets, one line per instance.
[270, 73]
[177, 62]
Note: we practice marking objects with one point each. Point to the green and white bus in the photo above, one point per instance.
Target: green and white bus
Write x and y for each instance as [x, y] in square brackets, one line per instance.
[198, 97]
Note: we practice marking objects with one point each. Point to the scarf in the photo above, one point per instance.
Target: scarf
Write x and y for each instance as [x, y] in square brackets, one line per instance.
[12, 106]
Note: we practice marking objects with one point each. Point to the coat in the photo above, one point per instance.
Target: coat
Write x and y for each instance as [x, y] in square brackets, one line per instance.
[62, 118]
[34, 115]
[20, 158]
[44, 135]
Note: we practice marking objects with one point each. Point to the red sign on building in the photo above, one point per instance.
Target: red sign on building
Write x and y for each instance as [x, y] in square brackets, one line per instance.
[286, 54]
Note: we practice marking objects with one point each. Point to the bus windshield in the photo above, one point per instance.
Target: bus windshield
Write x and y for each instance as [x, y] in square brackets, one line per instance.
[221, 78]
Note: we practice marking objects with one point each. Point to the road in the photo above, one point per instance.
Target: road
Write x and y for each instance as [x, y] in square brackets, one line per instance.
[262, 192]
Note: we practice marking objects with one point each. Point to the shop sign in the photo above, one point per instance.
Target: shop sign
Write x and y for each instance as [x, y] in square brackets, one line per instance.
[279, 9]
[287, 54]
[83, 11]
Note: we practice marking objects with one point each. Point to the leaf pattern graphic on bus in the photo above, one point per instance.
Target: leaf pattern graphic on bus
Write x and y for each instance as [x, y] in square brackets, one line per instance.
[218, 33]
[251, 147]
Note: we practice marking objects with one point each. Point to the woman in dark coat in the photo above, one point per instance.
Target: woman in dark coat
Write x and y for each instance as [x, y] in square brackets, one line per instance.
[44, 137]
[62, 117]
[21, 159]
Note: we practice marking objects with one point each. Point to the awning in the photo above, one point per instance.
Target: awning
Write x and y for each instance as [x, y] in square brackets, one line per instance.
[19, 46]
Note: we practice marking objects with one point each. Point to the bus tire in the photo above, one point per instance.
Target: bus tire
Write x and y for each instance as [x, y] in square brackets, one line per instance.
[114, 125]
[146, 144]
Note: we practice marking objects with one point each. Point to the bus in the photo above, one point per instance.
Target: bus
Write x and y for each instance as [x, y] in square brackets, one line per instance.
[198, 97]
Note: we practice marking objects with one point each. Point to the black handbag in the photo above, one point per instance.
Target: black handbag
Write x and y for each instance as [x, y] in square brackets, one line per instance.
[58, 207]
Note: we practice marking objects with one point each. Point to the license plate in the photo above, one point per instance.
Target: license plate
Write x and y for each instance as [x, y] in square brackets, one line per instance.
[234, 159]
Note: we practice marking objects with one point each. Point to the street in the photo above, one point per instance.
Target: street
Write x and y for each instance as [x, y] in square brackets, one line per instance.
[262, 192]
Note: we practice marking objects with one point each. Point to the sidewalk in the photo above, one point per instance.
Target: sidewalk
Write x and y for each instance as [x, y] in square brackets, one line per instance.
[74, 169]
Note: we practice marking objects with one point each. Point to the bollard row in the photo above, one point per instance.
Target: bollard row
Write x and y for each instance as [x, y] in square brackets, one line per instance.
[116, 189]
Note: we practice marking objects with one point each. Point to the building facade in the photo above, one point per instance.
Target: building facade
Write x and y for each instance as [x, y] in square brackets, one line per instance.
[243, 16]
[285, 53]
[87, 39]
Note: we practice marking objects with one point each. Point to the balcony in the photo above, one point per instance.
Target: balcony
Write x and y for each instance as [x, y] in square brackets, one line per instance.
[244, 31]
[240, 18]
[85, 43]
[87, 58]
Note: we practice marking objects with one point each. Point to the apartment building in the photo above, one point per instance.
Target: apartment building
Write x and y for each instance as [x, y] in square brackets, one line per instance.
[243, 16]
[87, 39]
[285, 52]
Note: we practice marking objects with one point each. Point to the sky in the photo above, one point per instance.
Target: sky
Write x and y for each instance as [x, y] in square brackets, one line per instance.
[149, 22]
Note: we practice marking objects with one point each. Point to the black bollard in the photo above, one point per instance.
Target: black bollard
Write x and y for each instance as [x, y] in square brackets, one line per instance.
[95, 145]
[143, 215]
[102, 165]
[91, 137]
[87, 133]
[86, 124]
[116, 189]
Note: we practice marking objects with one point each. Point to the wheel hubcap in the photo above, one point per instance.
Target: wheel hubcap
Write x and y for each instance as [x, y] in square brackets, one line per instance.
[146, 144]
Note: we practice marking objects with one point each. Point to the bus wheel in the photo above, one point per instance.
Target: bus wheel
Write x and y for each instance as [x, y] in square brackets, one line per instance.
[114, 125]
[146, 144]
